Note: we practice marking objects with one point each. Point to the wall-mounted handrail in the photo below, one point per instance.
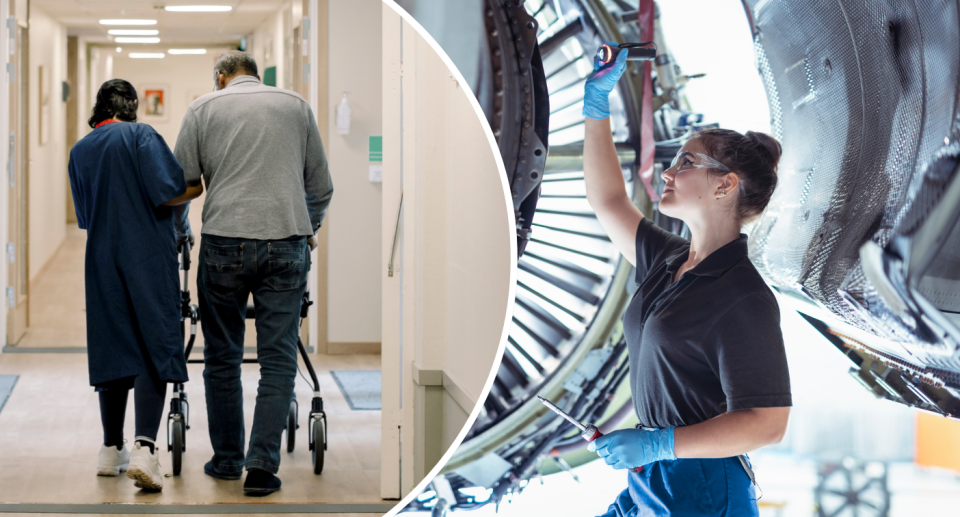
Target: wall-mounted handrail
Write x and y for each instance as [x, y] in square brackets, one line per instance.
[396, 234]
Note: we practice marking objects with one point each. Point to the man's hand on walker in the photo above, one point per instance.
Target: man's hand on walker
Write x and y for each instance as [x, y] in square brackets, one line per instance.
[630, 448]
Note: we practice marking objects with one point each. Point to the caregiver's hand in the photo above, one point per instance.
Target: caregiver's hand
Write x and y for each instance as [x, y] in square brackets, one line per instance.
[185, 237]
[596, 92]
[630, 448]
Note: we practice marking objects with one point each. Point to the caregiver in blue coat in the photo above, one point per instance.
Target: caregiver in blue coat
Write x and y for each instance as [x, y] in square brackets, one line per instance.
[125, 181]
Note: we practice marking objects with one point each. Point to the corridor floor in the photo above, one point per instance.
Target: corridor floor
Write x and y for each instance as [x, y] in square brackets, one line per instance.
[50, 426]
[50, 435]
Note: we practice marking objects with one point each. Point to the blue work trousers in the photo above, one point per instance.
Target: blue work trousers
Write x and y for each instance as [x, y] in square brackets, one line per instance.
[687, 488]
[276, 273]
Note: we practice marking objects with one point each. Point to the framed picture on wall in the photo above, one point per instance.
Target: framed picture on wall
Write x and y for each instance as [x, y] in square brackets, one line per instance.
[154, 103]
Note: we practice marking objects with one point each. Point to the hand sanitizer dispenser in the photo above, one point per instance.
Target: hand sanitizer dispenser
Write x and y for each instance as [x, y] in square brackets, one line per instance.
[343, 116]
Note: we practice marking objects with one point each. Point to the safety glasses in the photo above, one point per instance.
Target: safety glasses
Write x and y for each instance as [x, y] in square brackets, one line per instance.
[685, 160]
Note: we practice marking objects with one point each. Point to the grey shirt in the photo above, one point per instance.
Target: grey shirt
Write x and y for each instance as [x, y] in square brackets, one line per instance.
[259, 153]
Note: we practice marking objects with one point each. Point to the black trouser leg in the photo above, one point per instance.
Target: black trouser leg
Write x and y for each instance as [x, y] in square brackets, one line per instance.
[149, 394]
[113, 409]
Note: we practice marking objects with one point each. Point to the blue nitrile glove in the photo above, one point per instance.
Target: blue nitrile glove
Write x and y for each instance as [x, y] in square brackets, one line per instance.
[630, 448]
[596, 92]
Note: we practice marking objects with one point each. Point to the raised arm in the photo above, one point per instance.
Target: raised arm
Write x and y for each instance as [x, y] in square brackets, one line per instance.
[606, 191]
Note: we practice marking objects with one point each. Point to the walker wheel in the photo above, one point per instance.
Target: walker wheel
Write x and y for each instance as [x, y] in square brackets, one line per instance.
[292, 427]
[176, 432]
[318, 444]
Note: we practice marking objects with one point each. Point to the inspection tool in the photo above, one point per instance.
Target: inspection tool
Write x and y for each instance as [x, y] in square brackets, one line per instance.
[588, 432]
[635, 52]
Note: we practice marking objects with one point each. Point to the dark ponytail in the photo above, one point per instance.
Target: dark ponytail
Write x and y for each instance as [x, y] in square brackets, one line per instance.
[116, 98]
[754, 158]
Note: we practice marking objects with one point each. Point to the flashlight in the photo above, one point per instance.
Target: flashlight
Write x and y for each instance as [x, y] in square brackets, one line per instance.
[635, 52]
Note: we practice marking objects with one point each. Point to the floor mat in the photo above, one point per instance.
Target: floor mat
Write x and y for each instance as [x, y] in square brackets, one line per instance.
[360, 387]
[7, 382]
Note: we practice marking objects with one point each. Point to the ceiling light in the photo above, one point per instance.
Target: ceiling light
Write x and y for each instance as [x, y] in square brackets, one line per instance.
[188, 51]
[198, 8]
[133, 32]
[119, 50]
[126, 39]
[128, 22]
[146, 55]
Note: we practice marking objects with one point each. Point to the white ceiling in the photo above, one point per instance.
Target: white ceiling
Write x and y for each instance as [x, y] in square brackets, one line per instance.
[82, 19]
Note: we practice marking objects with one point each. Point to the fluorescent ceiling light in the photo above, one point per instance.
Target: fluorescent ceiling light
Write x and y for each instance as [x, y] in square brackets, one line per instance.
[188, 51]
[133, 32]
[198, 8]
[128, 22]
[125, 39]
[146, 55]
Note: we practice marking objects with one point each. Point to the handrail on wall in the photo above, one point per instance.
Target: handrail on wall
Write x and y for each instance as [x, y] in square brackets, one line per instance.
[396, 233]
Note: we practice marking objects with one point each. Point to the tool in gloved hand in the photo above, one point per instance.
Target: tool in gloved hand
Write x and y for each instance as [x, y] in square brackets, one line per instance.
[635, 52]
[588, 432]
[633, 448]
[596, 90]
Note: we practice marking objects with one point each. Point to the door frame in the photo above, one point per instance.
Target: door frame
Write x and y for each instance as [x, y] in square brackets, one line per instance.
[15, 98]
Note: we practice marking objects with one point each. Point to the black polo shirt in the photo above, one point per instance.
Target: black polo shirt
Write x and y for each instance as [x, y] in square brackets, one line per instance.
[707, 344]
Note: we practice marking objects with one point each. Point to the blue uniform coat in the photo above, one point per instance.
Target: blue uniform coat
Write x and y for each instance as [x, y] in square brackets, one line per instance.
[120, 175]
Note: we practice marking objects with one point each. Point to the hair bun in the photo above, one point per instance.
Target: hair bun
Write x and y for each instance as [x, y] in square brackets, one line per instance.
[767, 145]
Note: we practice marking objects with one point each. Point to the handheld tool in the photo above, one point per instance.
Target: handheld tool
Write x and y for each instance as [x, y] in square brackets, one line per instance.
[635, 52]
[588, 432]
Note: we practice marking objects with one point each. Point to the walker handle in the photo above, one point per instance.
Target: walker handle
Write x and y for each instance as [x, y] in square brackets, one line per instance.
[184, 249]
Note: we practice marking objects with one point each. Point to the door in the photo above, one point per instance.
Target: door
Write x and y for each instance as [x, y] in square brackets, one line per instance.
[17, 168]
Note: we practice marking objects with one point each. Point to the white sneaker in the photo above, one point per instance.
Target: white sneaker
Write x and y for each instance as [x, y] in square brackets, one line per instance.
[144, 468]
[111, 461]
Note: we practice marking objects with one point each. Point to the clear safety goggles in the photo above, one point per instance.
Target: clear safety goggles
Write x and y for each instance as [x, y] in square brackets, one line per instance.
[685, 160]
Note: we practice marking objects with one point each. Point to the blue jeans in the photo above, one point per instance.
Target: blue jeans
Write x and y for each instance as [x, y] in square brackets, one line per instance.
[687, 488]
[276, 273]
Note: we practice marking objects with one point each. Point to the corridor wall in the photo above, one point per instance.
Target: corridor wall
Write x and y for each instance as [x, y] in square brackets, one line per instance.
[47, 140]
[353, 45]
[445, 306]
[271, 44]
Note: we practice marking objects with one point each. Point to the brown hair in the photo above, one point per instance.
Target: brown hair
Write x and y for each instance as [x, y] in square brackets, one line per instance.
[753, 157]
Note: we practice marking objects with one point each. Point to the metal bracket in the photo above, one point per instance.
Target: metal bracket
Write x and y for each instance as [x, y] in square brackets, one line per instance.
[11, 297]
[11, 252]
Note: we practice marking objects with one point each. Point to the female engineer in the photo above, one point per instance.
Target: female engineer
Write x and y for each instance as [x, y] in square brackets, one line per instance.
[708, 370]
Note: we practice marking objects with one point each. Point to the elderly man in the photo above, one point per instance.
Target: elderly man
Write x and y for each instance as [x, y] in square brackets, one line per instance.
[258, 150]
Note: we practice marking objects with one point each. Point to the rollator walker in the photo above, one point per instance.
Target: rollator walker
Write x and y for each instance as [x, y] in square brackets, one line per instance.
[178, 421]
